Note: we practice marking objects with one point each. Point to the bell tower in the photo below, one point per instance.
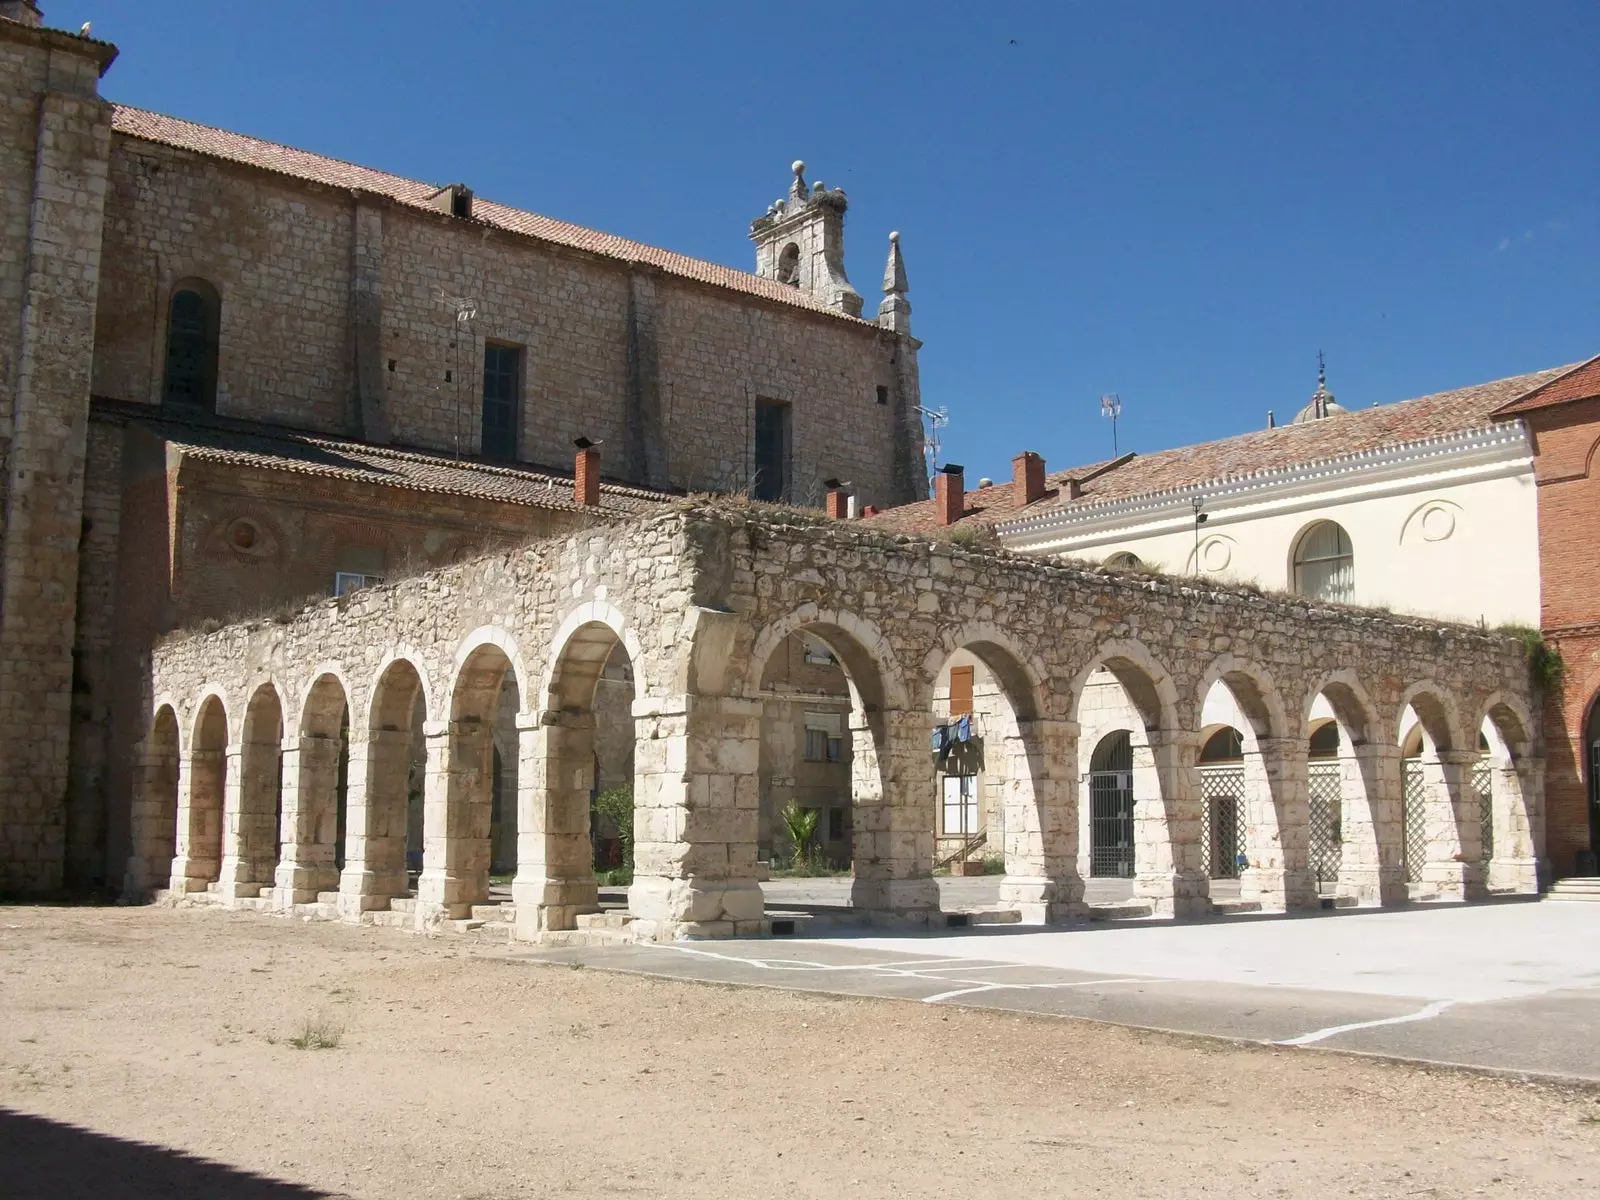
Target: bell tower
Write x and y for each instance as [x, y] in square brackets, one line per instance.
[800, 241]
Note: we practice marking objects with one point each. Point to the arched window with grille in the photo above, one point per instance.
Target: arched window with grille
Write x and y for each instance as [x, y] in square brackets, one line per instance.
[1324, 564]
[1111, 807]
[193, 323]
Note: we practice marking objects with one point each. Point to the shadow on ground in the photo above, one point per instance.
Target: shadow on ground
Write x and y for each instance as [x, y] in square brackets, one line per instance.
[44, 1158]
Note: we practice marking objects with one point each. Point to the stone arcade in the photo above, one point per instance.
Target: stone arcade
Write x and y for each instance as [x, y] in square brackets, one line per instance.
[245, 729]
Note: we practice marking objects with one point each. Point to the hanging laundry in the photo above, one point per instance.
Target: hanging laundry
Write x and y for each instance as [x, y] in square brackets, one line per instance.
[938, 739]
[964, 728]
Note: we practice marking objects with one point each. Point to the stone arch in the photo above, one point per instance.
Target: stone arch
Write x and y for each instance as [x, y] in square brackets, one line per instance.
[315, 768]
[1440, 814]
[865, 653]
[1359, 778]
[1265, 789]
[154, 818]
[384, 782]
[1169, 871]
[252, 831]
[555, 879]
[892, 779]
[203, 783]
[458, 801]
[1508, 784]
[1020, 768]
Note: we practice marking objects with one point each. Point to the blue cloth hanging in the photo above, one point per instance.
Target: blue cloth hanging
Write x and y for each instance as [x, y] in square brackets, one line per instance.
[938, 739]
[964, 728]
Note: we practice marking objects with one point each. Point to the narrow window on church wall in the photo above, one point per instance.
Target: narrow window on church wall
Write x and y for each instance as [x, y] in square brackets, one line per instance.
[502, 389]
[190, 378]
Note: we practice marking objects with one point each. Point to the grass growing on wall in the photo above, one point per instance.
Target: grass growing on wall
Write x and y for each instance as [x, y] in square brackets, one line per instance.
[1545, 665]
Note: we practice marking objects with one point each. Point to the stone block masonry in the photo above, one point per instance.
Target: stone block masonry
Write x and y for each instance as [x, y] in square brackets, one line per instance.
[698, 598]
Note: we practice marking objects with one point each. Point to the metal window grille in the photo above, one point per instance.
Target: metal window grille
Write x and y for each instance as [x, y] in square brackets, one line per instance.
[1222, 793]
[502, 368]
[1483, 784]
[1111, 824]
[1414, 821]
[1324, 794]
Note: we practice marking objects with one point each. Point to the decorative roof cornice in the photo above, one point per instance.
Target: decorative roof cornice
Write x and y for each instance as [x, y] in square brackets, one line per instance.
[1486, 444]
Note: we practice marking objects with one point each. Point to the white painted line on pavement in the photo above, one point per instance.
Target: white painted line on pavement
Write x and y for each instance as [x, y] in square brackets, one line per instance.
[1025, 987]
[1426, 1013]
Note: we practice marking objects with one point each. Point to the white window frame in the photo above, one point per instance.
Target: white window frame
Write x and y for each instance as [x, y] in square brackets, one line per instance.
[345, 582]
[958, 814]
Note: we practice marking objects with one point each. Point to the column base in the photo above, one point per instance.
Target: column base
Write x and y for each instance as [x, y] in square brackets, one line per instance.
[896, 901]
[1371, 887]
[362, 891]
[1042, 900]
[1519, 875]
[1450, 881]
[548, 904]
[1175, 895]
[191, 875]
[1278, 889]
[666, 909]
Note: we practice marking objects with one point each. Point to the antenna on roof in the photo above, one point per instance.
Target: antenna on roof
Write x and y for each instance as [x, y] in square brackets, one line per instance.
[935, 419]
[1111, 406]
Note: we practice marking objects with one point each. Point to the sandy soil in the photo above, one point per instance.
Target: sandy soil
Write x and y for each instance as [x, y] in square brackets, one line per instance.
[460, 1073]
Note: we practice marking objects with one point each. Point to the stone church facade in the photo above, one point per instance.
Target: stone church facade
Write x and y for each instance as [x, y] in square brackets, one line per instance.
[236, 374]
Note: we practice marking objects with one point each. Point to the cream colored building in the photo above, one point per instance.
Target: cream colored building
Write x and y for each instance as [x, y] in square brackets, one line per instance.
[1426, 506]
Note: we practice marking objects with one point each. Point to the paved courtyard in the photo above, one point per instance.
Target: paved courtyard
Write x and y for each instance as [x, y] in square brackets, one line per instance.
[1509, 986]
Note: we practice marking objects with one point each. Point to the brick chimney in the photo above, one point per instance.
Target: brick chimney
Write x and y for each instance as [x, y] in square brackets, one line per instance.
[949, 494]
[838, 501]
[586, 475]
[1027, 478]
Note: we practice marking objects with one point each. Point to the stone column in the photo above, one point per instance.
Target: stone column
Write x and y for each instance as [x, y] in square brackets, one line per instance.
[1169, 861]
[377, 803]
[310, 779]
[555, 859]
[153, 822]
[696, 798]
[234, 880]
[1518, 826]
[1278, 826]
[457, 805]
[894, 789]
[1372, 866]
[1454, 869]
[1042, 880]
[199, 851]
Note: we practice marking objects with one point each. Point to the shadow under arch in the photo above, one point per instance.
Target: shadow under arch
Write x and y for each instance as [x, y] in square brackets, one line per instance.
[1168, 871]
[203, 782]
[1509, 785]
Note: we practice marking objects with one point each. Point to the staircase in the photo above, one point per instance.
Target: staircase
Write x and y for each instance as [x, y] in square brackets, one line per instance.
[1578, 887]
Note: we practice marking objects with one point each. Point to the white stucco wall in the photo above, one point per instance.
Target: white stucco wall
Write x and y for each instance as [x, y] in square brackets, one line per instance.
[1450, 539]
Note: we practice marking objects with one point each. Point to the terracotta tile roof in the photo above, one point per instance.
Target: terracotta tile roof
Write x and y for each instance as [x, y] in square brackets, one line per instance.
[1580, 383]
[275, 448]
[301, 164]
[1352, 432]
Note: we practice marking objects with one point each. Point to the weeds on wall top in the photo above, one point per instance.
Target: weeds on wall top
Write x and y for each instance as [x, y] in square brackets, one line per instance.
[1544, 661]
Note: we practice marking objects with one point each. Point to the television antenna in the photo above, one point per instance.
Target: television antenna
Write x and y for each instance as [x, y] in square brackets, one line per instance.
[934, 419]
[466, 311]
[1111, 406]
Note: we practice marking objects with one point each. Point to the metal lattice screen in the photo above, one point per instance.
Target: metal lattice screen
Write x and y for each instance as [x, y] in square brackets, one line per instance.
[1222, 793]
[1111, 824]
[1324, 795]
[1413, 820]
[1483, 784]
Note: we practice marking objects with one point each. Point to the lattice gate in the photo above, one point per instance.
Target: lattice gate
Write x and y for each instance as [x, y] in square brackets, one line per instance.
[1222, 793]
[1413, 820]
[1325, 796]
[1483, 784]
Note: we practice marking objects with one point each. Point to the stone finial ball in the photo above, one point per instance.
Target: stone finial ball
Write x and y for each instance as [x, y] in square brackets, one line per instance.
[894, 237]
[798, 166]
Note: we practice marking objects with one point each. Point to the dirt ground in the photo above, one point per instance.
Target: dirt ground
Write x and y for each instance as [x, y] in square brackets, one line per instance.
[134, 1033]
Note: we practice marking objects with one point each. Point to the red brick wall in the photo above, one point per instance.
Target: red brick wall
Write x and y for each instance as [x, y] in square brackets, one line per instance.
[1566, 440]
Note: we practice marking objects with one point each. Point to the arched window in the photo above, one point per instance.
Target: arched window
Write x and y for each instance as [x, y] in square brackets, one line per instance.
[789, 264]
[1124, 560]
[1324, 566]
[1225, 745]
[1111, 807]
[192, 325]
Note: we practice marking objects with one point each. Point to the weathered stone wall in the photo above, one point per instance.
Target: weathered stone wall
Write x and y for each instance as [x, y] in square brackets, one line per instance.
[666, 369]
[56, 133]
[701, 599]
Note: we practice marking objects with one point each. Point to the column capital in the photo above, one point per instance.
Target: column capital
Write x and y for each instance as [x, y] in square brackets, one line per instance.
[1459, 758]
[435, 729]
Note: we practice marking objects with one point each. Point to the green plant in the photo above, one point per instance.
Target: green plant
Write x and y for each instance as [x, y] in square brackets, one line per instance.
[801, 826]
[971, 537]
[317, 1033]
[994, 864]
[1545, 665]
[616, 806]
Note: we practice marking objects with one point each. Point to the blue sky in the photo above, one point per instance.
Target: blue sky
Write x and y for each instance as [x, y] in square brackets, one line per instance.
[1177, 202]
